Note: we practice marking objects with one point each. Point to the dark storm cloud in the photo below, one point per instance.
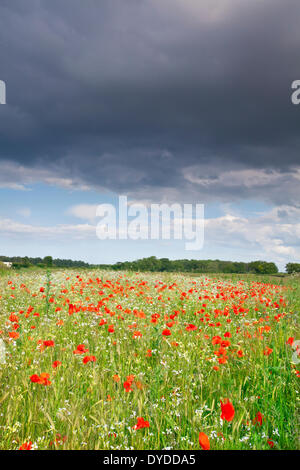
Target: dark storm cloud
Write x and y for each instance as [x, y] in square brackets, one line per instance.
[151, 97]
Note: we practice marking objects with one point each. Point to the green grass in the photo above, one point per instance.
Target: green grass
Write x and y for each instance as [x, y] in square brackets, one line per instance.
[176, 389]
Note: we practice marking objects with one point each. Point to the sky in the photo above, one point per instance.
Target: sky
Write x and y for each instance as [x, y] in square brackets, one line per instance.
[180, 101]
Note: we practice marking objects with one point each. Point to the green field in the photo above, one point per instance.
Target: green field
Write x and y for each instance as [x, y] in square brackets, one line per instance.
[167, 348]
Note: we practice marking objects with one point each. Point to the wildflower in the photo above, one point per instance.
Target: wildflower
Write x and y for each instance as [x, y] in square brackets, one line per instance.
[204, 441]
[222, 360]
[35, 378]
[26, 446]
[13, 334]
[127, 384]
[13, 318]
[59, 440]
[48, 343]
[141, 423]
[216, 340]
[166, 332]
[71, 309]
[81, 349]
[258, 420]
[56, 364]
[42, 379]
[137, 334]
[87, 359]
[191, 327]
[227, 409]
[268, 351]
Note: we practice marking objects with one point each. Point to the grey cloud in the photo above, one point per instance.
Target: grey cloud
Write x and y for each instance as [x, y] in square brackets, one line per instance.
[130, 95]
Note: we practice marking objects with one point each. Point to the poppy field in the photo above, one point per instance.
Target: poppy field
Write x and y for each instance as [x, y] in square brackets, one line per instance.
[108, 360]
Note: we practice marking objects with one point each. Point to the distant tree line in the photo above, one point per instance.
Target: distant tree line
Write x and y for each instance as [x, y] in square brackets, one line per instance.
[292, 268]
[47, 261]
[154, 264]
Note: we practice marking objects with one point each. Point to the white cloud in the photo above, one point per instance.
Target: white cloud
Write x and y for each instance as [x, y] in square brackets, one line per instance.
[83, 211]
[10, 227]
[272, 235]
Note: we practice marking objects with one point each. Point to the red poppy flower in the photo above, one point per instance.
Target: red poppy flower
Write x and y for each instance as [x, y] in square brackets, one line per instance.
[56, 364]
[81, 349]
[204, 441]
[137, 334]
[87, 359]
[141, 423]
[191, 327]
[71, 309]
[35, 378]
[166, 332]
[227, 409]
[13, 318]
[42, 379]
[258, 419]
[127, 386]
[13, 334]
[48, 343]
[26, 446]
[216, 340]
[268, 351]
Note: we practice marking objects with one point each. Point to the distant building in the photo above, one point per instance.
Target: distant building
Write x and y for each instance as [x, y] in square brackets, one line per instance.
[7, 263]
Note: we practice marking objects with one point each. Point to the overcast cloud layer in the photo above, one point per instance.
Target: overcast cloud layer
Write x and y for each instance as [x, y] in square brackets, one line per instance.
[173, 99]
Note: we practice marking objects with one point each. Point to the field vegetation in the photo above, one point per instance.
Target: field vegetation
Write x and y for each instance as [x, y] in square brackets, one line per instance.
[93, 359]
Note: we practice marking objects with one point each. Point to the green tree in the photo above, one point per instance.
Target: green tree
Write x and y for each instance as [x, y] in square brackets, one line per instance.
[48, 261]
[292, 268]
